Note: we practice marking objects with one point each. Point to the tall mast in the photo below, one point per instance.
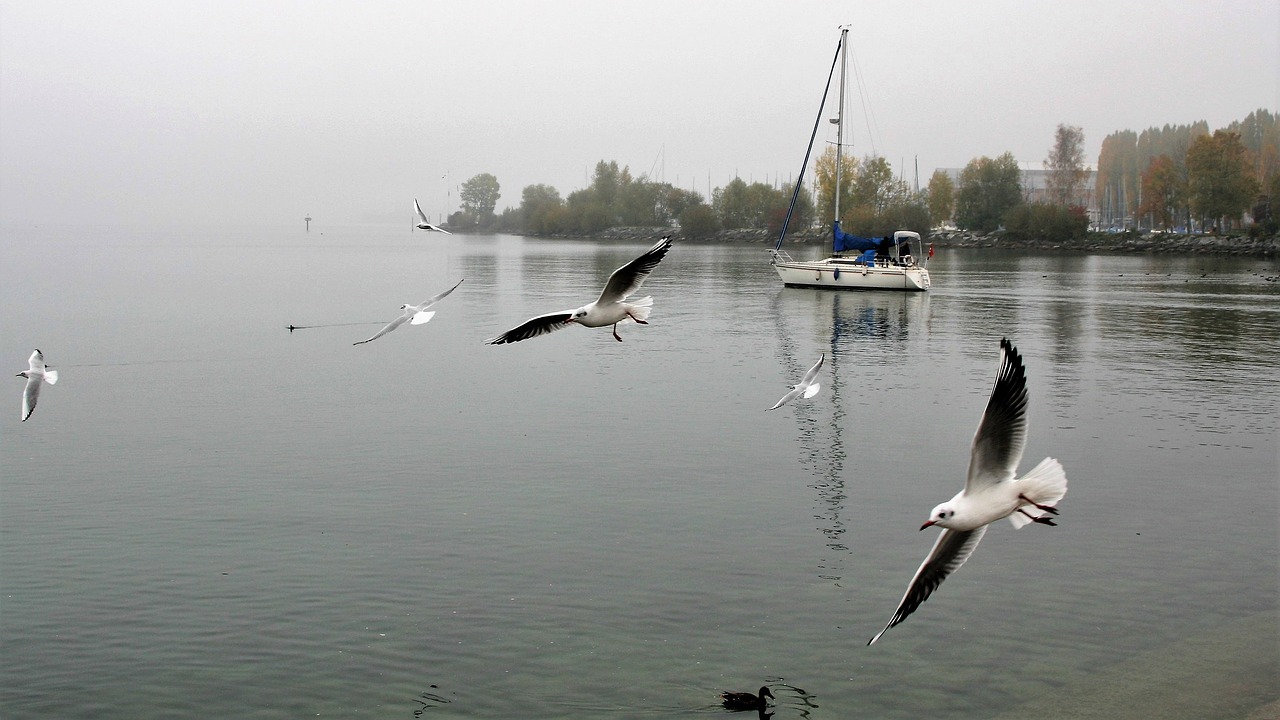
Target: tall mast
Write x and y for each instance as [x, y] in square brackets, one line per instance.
[844, 64]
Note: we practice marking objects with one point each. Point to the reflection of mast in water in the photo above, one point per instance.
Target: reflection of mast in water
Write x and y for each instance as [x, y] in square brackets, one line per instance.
[868, 335]
[822, 447]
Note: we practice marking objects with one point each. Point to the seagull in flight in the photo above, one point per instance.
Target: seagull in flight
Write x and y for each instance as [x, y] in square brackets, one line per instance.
[415, 314]
[422, 220]
[37, 374]
[991, 491]
[807, 387]
[609, 309]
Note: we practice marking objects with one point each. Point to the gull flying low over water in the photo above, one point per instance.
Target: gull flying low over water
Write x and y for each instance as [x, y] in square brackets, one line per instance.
[415, 314]
[807, 387]
[990, 491]
[37, 374]
[422, 220]
[608, 309]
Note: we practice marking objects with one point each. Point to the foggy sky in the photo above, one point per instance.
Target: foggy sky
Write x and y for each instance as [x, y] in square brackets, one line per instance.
[233, 112]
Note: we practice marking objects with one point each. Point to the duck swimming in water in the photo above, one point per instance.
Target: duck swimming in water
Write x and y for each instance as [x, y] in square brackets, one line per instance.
[745, 700]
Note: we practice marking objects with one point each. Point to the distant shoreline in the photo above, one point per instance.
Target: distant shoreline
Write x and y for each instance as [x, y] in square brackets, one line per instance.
[1129, 243]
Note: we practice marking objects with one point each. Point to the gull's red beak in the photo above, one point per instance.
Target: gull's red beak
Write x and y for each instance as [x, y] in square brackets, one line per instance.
[928, 524]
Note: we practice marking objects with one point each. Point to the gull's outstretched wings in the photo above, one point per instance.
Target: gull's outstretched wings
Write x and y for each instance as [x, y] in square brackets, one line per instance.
[806, 387]
[949, 553]
[533, 327]
[438, 298]
[37, 375]
[388, 328]
[425, 224]
[414, 313]
[1002, 432]
[628, 278]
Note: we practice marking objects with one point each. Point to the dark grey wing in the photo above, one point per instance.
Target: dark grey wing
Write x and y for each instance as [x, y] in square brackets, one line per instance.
[439, 297]
[533, 327]
[948, 554]
[389, 327]
[1002, 432]
[628, 278]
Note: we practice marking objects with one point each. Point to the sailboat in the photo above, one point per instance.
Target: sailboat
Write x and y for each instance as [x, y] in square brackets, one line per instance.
[855, 262]
[422, 220]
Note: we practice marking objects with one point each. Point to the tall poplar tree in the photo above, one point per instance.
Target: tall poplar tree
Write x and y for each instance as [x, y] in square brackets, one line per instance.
[1065, 166]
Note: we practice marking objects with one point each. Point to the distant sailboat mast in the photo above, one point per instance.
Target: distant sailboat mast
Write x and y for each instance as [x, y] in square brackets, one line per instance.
[839, 121]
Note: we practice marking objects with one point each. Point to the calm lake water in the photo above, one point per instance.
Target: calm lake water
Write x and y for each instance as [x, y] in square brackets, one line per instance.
[210, 516]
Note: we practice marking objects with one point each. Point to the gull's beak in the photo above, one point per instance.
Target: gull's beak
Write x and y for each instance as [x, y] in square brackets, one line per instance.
[930, 523]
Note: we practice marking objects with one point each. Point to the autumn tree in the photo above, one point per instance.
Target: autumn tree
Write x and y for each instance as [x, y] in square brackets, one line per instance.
[824, 173]
[874, 186]
[1164, 192]
[987, 190]
[1065, 166]
[479, 196]
[541, 209]
[941, 197]
[1220, 183]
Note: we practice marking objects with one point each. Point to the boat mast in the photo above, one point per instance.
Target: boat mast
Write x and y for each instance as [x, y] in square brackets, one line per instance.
[844, 64]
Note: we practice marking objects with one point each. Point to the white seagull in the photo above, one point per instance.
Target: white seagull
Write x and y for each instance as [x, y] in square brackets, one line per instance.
[990, 492]
[36, 376]
[415, 314]
[807, 387]
[422, 220]
[608, 309]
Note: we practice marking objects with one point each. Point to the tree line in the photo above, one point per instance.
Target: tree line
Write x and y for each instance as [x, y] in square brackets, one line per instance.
[1176, 176]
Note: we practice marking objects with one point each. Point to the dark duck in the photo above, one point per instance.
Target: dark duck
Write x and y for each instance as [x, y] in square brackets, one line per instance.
[745, 700]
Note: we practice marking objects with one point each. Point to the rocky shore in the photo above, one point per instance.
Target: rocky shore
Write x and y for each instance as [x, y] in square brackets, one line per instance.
[1127, 242]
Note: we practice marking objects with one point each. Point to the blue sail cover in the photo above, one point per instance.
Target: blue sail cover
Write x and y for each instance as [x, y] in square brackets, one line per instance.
[843, 241]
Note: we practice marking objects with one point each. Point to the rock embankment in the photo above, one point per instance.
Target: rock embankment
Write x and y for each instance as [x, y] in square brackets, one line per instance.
[1130, 242]
[1126, 242]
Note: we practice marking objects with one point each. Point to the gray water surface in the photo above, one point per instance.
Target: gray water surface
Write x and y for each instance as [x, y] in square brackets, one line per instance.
[210, 516]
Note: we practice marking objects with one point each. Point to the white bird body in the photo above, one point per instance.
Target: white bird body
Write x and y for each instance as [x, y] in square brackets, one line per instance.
[423, 223]
[37, 374]
[806, 388]
[992, 491]
[413, 314]
[610, 308]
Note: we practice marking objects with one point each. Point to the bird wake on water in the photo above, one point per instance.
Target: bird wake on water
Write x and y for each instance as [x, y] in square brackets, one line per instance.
[991, 491]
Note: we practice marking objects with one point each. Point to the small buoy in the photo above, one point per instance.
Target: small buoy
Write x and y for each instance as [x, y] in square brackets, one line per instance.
[836, 273]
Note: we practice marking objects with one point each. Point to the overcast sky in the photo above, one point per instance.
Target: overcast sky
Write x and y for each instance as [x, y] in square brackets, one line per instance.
[263, 112]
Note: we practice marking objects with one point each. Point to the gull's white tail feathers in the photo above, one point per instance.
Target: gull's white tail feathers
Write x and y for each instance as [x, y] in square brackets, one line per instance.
[1046, 484]
[812, 390]
[51, 377]
[422, 317]
[640, 309]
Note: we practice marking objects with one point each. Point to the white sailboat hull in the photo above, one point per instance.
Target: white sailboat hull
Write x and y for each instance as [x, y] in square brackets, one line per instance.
[840, 273]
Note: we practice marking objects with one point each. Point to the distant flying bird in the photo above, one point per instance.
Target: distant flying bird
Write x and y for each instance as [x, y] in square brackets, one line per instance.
[422, 220]
[990, 492]
[608, 309]
[415, 314]
[37, 374]
[807, 387]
